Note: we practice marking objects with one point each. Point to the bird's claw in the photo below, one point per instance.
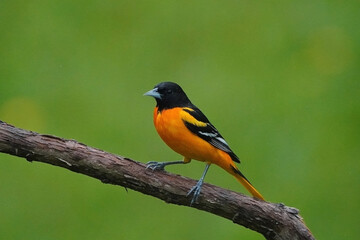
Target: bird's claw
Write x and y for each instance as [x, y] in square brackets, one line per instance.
[155, 165]
[195, 190]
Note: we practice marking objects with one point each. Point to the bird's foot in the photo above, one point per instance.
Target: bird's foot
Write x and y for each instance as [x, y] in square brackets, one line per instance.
[195, 190]
[155, 165]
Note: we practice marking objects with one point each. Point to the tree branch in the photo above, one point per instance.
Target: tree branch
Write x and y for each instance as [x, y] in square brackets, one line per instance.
[274, 221]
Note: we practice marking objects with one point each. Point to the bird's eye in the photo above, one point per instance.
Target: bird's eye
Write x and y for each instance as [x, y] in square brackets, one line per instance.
[169, 91]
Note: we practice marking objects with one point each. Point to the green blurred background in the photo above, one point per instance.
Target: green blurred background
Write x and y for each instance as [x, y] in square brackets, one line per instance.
[280, 80]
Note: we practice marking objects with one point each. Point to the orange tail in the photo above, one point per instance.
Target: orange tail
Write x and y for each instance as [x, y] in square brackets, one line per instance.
[242, 179]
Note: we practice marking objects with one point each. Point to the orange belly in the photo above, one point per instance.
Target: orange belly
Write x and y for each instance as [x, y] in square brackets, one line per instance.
[174, 133]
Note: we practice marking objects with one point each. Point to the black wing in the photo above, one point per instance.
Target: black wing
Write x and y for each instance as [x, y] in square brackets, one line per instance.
[205, 130]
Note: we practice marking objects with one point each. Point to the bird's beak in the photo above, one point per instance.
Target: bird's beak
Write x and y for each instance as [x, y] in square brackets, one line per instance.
[153, 93]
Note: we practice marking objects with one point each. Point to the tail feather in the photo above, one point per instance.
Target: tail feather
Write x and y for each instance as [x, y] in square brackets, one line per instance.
[242, 179]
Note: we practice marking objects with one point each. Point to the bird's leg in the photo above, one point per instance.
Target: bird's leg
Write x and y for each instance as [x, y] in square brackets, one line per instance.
[161, 165]
[197, 188]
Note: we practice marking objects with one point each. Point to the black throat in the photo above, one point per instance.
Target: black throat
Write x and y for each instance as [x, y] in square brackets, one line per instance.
[176, 101]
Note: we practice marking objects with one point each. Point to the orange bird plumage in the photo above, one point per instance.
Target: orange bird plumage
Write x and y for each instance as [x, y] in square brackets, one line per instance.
[186, 130]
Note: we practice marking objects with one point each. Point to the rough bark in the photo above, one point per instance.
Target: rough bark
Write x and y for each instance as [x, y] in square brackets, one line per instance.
[274, 221]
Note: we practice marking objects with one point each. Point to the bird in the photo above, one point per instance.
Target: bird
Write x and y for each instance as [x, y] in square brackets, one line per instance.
[187, 131]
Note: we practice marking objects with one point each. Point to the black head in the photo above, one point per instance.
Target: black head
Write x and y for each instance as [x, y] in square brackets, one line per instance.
[169, 95]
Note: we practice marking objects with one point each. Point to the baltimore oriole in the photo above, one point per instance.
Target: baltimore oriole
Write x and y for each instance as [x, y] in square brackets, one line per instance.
[185, 129]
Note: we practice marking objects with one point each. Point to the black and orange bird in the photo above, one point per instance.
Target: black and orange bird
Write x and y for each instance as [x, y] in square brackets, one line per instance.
[186, 130]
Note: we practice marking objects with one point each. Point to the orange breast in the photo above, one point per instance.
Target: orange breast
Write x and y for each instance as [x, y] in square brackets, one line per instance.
[175, 134]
